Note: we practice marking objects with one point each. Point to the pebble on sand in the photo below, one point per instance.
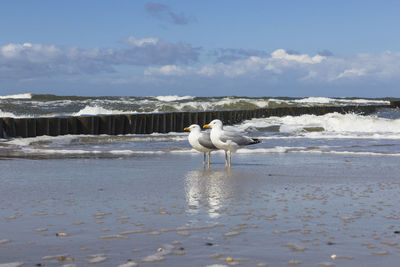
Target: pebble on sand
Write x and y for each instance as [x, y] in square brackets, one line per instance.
[153, 258]
[55, 257]
[97, 259]
[381, 253]
[129, 263]
[61, 234]
[326, 264]
[232, 234]
[295, 247]
[4, 241]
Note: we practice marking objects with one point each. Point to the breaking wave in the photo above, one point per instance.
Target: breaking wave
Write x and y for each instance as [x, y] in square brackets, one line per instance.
[17, 96]
[33, 105]
[170, 98]
[98, 110]
[331, 123]
[4, 114]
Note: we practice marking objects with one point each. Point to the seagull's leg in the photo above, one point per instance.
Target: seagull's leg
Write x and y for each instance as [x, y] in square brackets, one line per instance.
[230, 158]
[226, 159]
[209, 155]
[204, 160]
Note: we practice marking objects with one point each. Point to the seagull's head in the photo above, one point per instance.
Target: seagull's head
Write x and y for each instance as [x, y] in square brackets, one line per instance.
[192, 128]
[214, 124]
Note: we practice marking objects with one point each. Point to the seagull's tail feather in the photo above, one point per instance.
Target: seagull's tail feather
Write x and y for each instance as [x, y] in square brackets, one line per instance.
[255, 141]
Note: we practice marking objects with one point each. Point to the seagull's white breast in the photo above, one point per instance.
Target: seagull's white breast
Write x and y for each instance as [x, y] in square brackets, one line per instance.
[193, 139]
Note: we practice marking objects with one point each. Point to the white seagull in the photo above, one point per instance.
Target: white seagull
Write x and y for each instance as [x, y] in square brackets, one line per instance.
[200, 141]
[228, 141]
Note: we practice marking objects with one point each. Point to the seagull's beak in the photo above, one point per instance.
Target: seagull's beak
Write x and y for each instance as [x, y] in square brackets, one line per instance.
[186, 129]
[206, 126]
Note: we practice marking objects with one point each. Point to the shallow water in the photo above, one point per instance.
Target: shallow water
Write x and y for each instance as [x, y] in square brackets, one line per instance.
[274, 209]
[333, 133]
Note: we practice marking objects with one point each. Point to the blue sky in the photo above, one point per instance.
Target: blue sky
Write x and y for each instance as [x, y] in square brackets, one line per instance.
[204, 48]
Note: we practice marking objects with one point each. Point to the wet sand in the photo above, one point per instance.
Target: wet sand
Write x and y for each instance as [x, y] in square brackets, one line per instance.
[166, 210]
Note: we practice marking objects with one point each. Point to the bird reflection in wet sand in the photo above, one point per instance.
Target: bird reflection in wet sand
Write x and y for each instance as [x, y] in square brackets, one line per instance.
[209, 188]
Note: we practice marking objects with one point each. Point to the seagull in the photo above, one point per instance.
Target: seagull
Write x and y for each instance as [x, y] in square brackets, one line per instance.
[228, 141]
[200, 141]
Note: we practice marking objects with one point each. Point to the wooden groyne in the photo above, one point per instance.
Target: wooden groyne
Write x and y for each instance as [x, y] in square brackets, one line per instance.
[157, 122]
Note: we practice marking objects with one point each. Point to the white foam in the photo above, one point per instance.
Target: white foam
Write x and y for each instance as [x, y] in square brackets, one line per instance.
[65, 140]
[217, 104]
[7, 114]
[17, 96]
[324, 135]
[362, 153]
[223, 103]
[88, 152]
[171, 98]
[277, 149]
[321, 100]
[327, 100]
[332, 122]
[98, 110]
[59, 140]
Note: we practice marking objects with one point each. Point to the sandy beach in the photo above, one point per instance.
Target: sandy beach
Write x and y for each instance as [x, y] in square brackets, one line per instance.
[166, 210]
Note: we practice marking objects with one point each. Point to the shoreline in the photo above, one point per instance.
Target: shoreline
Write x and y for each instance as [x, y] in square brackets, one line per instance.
[275, 209]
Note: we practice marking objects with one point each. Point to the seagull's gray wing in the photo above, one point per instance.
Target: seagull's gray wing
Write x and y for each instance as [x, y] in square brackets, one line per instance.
[236, 138]
[205, 141]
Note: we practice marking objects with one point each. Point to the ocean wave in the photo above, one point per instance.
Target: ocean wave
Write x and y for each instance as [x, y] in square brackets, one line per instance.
[4, 114]
[65, 140]
[332, 122]
[17, 96]
[171, 98]
[328, 100]
[98, 110]
[36, 105]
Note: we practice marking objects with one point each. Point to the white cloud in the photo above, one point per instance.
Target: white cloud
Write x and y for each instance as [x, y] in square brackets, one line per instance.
[142, 42]
[22, 61]
[29, 52]
[301, 68]
[351, 73]
[165, 70]
[155, 62]
[281, 54]
[252, 65]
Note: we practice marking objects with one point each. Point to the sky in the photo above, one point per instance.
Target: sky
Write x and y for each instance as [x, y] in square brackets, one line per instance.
[201, 48]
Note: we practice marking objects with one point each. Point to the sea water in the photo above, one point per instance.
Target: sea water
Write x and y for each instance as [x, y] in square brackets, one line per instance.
[334, 133]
